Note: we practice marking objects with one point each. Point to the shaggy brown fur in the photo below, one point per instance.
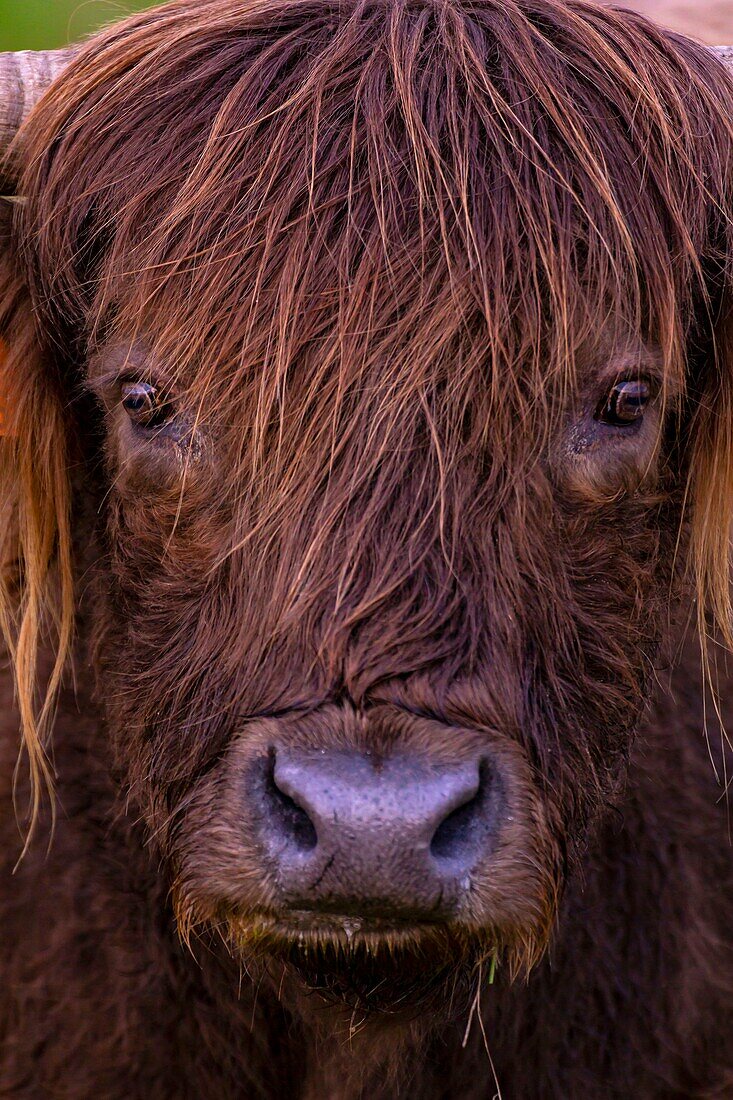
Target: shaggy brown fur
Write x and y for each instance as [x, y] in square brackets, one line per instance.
[383, 260]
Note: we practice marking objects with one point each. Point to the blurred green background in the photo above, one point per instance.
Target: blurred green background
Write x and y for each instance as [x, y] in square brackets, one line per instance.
[44, 24]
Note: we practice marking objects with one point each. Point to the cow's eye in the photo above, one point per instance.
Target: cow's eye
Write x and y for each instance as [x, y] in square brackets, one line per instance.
[144, 404]
[625, 402]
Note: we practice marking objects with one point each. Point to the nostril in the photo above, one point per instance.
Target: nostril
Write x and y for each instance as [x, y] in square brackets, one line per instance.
[463, 830]
[288, 818]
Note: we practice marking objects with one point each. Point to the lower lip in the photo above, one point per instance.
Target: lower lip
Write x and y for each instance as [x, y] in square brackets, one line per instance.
[306, 928]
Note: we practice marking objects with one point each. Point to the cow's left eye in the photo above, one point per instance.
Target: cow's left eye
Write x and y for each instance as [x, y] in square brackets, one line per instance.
[144, 404]
[625, 403]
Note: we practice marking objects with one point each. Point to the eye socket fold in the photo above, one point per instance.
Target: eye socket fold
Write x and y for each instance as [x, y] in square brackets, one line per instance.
[144, 404]
[625, 403]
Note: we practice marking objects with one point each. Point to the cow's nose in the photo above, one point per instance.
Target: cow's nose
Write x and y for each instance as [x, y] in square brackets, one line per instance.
[398, 838]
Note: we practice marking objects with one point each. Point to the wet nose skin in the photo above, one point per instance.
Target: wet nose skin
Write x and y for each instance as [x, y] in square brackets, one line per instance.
[395, 840]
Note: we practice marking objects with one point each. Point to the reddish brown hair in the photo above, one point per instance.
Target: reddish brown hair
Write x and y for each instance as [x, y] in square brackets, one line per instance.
[430, 205]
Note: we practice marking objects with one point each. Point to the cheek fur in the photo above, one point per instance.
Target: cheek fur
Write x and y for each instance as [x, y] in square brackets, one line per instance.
[599, 464]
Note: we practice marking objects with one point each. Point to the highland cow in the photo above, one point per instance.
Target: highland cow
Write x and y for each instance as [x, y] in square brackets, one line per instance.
[366, 490]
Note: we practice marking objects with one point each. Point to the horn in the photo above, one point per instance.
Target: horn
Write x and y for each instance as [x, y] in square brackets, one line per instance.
[24, 78]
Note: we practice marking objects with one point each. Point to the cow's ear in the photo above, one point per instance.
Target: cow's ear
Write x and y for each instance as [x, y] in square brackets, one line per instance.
[36, 597]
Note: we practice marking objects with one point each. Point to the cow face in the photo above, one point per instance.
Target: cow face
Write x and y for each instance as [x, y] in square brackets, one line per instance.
[383, 368]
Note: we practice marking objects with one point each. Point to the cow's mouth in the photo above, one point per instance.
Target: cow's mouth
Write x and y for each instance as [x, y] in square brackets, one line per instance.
[373, 965]
[376, 934]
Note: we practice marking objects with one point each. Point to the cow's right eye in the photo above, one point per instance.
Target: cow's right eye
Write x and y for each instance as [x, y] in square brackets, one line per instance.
[626, 403]
[144, 404]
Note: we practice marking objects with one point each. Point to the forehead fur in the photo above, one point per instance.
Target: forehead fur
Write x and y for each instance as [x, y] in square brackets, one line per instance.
[310, 197]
